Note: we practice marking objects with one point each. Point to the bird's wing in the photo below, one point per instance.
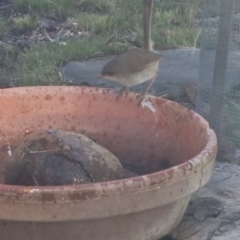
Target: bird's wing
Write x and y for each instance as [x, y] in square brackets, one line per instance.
[138, 59]
[151, 57]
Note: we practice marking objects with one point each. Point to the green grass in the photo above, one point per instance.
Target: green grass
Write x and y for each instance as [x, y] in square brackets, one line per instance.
[233, 128]
[172, 27]
[38, 66]
[24, 23]
[64, 8]
[57, 8]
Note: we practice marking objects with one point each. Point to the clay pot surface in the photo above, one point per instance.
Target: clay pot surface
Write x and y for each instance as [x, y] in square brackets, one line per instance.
[158, 135]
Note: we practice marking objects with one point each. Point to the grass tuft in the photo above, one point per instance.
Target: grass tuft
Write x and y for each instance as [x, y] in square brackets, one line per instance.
[39, 65]
[173, 26]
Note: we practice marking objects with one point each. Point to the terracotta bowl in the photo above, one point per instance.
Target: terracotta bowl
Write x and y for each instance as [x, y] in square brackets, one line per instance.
[157, 135]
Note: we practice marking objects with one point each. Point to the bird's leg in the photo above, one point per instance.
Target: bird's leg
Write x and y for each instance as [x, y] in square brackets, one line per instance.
[121, 91]
[141, 96]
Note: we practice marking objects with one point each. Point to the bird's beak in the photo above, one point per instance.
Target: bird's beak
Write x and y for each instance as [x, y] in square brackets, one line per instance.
[100, 76]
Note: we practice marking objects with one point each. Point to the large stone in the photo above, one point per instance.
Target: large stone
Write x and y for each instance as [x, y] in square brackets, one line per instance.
[214, 211]
[62, 158]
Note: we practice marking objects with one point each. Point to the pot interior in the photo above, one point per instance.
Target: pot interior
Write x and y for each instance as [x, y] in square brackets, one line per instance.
[146, 139]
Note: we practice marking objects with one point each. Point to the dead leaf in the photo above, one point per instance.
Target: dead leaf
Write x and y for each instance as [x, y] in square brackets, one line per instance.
[110, 41]
[192, 93]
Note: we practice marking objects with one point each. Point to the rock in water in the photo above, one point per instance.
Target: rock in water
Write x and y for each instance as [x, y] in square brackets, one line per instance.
[56, 157]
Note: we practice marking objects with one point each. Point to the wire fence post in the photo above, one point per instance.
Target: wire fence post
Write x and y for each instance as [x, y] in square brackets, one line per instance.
[221, 61]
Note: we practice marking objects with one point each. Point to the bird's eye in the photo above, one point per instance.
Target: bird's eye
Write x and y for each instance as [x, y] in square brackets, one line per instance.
[110, 73]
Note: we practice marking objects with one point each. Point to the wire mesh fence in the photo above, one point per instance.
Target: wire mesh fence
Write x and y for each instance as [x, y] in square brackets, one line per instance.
[218, 98]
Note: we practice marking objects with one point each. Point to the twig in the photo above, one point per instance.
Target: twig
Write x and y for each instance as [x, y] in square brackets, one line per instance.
[59, 32]
[9, 150]
[47, 35]
[195, 42]
[164, 96]
[211, 235]
[35, 33]
[43, 151]
[5, 6]
[234, 104]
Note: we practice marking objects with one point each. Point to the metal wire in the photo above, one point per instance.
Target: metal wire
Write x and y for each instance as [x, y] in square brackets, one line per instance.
[218, 98]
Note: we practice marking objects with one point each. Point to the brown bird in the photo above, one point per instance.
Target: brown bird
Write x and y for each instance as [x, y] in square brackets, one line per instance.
[138, 65]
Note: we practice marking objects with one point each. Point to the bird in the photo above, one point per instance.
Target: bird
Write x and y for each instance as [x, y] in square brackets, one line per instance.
[137, 65]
